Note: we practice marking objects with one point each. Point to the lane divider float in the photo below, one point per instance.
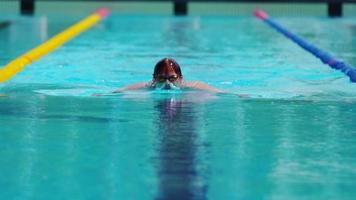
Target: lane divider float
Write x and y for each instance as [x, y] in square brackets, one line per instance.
[326, 58]
[18, 64]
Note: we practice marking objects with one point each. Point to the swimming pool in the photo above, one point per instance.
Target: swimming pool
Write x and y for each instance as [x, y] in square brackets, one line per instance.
[293, 139]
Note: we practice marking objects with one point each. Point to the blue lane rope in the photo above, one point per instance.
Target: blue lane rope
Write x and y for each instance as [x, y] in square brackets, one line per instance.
[323, 56]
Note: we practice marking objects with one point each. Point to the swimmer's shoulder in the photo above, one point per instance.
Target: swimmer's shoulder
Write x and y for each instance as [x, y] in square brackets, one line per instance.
[199, 86]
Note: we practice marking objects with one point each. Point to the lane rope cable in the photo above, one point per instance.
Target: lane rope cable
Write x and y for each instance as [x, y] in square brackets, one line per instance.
[326, 58]
[19, 63]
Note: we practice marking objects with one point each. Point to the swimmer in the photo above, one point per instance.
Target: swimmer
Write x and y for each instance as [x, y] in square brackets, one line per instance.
[167, 75]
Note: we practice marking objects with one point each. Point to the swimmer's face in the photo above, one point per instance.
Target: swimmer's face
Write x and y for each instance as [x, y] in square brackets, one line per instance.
[167, 79]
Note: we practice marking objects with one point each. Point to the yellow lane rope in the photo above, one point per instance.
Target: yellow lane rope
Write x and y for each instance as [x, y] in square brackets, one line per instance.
[22, 61]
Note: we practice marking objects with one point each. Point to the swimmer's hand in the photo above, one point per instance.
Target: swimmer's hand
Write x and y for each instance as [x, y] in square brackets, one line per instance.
[243, 95]
[119, 91]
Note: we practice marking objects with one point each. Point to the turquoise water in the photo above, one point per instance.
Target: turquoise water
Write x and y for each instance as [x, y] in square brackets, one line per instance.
[294, 138]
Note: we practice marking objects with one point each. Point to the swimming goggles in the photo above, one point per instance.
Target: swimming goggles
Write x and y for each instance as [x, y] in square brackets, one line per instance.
[172, 78]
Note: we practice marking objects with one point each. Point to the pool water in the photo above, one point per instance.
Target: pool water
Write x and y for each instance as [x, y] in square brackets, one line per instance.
[293, 138]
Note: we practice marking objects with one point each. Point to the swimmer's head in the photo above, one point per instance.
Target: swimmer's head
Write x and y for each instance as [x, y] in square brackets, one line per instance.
[167, 74]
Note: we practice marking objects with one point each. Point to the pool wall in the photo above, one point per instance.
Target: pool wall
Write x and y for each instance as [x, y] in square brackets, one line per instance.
[195, 8]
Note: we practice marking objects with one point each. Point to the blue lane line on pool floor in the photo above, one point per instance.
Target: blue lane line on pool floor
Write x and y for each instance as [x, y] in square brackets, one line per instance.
[326, 58]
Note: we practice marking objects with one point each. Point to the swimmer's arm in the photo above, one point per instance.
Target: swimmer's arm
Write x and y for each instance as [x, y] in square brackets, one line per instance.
[201, 86]
[136, 86]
